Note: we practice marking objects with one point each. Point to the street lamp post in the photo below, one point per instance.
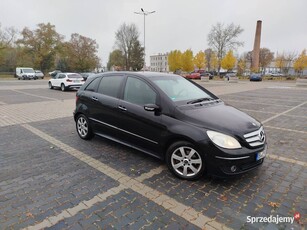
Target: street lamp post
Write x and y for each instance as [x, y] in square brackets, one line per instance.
[144, 13]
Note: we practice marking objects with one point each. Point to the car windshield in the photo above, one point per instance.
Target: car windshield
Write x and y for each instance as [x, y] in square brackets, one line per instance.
[28, 70]
[179, 89]
[74, 76]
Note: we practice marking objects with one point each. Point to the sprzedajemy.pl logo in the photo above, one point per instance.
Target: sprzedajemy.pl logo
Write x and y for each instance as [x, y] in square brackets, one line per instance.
[270, 219]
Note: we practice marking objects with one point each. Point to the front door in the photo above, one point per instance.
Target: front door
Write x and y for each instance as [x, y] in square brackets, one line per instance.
[142, 128]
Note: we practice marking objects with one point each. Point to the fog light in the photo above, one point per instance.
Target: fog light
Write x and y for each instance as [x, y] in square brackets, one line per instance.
[233, 168]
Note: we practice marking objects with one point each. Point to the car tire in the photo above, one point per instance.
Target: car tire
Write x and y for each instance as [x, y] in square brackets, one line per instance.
[63, 88]
[50, 85]
[83, 127]
[185, 161]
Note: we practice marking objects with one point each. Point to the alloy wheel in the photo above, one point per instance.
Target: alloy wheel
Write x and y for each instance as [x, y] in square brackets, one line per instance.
[186, 161]
[82, 127]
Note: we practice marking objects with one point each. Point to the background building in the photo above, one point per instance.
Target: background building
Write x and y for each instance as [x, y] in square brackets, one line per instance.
[159, 63]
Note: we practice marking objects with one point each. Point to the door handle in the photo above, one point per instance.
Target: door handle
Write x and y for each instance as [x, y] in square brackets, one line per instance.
[122, 108]
[94, 98]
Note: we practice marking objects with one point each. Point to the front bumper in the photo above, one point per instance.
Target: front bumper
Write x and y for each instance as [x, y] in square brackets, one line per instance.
[225, 162]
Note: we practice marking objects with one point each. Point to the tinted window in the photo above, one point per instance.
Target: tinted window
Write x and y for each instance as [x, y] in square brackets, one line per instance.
[138, 92]
[93, 85]
[110, 85]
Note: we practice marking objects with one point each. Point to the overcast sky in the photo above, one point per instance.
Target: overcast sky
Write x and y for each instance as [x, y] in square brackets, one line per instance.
[177, 24]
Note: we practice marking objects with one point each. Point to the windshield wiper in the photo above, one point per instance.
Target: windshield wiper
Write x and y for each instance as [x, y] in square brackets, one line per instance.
[200, 100]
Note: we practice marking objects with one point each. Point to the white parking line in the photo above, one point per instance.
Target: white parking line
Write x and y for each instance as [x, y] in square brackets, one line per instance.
[279, 114]
[288, 130]
[34, 95]
[292, 161]
[186, 212]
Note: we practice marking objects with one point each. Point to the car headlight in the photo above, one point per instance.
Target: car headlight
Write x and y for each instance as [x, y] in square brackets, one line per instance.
[223, 140]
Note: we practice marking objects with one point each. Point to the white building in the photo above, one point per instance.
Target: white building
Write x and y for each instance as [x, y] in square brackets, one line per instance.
[159, 63]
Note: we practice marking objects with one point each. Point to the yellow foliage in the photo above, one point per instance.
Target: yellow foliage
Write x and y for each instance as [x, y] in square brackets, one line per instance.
[175, 60]
[280, 61]
[229, 61]
[241, 65]
[200, 60]
[213, 61]
[301, 62]
[187, 61]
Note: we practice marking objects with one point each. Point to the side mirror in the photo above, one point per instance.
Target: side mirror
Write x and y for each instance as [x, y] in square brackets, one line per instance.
[151, 107]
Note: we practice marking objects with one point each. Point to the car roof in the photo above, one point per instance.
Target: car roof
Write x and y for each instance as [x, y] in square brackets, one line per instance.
[146, 74]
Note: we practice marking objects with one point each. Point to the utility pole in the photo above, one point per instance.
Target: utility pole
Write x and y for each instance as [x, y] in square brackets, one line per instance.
[144, 13]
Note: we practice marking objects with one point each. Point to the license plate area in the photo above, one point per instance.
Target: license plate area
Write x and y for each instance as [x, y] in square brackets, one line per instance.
[261, 154]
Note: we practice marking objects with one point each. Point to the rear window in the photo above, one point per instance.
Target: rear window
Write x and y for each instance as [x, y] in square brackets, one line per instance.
[75, 75]
[110, 85]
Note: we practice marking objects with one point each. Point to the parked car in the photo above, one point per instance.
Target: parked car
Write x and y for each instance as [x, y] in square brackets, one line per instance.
[276, 74]
[54, 73]
[204, 74]
[255, 77]
[25, 73]
[86, 75]
[39, 74]
[229, 75]
[66, 81]
[193, 75]
[173, 119]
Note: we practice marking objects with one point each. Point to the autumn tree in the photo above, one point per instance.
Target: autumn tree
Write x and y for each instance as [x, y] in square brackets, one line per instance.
[208, 53]
[81, 53]
[7, 51]
[213, 61]
[280, 62]
[301, 62]
[7, 37]
[289, 59]
[41, 44]
[137, 56]
[175, 60]
[265, 58]
[187, 60]
[116, 59]
[242, 64]
[200, 60]
[229, 61]
[127, 38]
[224, 38]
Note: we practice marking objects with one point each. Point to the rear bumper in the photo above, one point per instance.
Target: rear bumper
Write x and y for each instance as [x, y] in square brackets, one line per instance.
[72, 86]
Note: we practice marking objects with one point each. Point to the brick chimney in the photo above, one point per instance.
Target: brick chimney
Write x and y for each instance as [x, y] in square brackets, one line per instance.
[256, 50]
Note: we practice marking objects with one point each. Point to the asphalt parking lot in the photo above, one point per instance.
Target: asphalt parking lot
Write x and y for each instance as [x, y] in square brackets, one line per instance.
[51, 179]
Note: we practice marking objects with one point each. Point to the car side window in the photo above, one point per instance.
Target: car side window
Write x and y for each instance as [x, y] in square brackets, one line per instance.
[93, 85]
[61, 76]
[138, 92]
[110, 85]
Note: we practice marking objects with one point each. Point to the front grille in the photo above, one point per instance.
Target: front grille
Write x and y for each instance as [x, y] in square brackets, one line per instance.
[255, 138]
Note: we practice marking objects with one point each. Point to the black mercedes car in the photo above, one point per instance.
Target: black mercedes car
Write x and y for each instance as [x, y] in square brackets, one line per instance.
[171, 118]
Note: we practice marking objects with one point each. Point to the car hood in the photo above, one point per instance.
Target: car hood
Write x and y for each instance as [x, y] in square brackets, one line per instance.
[218, 117]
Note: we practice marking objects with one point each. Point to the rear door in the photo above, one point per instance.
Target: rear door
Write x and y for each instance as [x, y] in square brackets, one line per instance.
[105, 114]
[58, 79]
